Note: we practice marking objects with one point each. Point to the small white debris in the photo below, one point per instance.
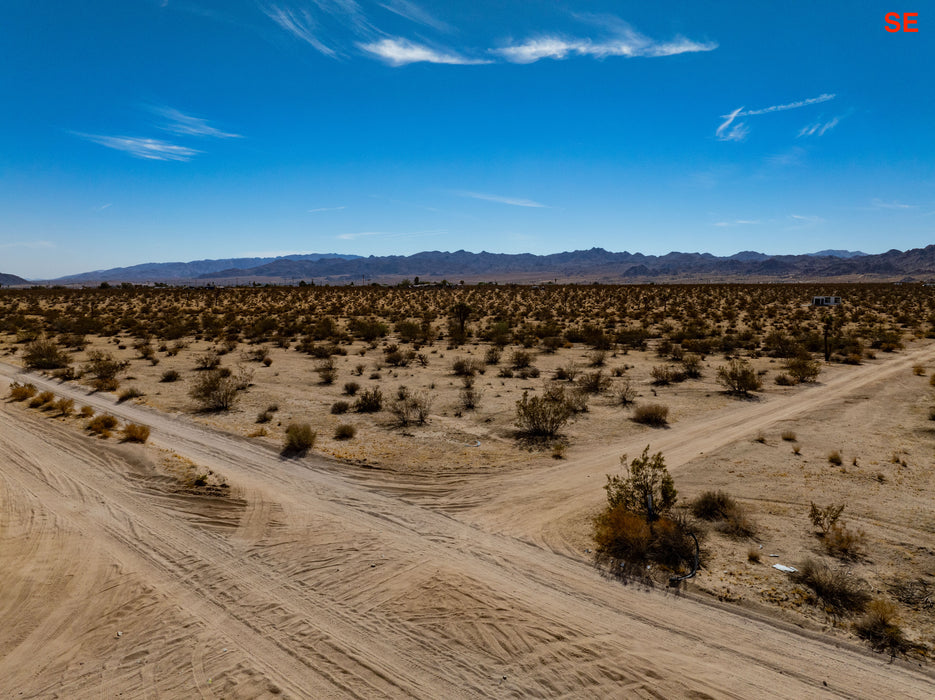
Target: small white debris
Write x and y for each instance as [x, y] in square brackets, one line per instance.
[119, 634]
[774, 555]
[787, 569]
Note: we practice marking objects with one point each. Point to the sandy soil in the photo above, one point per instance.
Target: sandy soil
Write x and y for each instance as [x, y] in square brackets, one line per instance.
[315, 578]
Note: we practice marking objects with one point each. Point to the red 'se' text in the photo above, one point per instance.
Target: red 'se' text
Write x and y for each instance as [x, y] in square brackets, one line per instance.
[905, 22]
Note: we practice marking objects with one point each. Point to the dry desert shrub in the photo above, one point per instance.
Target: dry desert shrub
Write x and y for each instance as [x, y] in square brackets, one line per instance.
[369, 401]
[594, 382]
[102, 425]
[652, 414]
[44, 354]
[42, 399]
[170, 375]
[541, 416]
[129, 393]
[65, 407]
[738, 377]
[844, 543]
[213, 390]
[825, 517]
[839, 593]
[104, 370]
[879, 627]
[834, 457]
[410, 407]
[730, 516]
[135, 432]
[788, 435]
[21, 392]
[803, 368]
[344, 431]
[300, 438]
[339, 407]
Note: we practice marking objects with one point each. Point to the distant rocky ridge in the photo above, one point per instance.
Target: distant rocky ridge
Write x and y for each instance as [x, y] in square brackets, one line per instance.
[594, 265]
[10, 280]
[598, 265]
[167, 272]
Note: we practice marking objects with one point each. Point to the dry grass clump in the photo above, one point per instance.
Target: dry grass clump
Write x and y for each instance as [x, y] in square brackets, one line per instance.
[300, 438]
[339, 407]
[21, 392]
[345, 431]
[102, 425]
[129, 393]
[834, 457]
[837, 539]
[788, 435]
[840, 593]
[170, 375]
[86, 412]
[351, 388]
[40, 400]
[135, 432]
[652, 414]
[730, 516]
[879, 627]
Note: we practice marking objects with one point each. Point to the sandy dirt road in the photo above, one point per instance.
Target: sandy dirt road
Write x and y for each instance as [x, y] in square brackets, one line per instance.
[306, 583]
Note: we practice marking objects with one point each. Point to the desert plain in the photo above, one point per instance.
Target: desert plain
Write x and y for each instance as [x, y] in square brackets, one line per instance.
[434, 548]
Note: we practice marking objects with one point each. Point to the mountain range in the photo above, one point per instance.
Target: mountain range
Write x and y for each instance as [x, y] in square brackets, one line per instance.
[594, 265]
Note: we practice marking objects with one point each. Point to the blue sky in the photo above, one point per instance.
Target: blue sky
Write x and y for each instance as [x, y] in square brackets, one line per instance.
[160, 130]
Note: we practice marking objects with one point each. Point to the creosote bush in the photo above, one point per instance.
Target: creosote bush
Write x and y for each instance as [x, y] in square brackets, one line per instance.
[410, 407]
[213, 390]
[369, 401]
[44, 354]
[170, 375]
[300, 438]
[541, 416]
[738, 377]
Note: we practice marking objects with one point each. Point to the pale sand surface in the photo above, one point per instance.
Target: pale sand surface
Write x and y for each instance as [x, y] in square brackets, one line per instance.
[313, 578]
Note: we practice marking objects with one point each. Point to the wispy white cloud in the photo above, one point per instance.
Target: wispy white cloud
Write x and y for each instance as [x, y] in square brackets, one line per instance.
[313, 211]
[628, 43]
[186, 125]
[348, 11]
[880, 204]
[104, 206]
[35, 245]
[513, 201]
[806, 220]
[818, 128]
[399, 52]
[738, 222]
[414, 13]
[385, 234]
[300, 24]
[793, 156]
[149, 149]
[739, 131]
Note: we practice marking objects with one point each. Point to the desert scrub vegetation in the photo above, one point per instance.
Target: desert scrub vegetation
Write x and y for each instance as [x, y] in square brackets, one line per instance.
[21, 392]
[102, 425]
[300, 438]
[836, 538]
[837, 592]
[738, 377]
[652, 414]
[214, 390]
[409, 407]
[541, 416]
[344, 431]
[44, 354]
[135, 432]
[729, 516]
[879, 627]
[636, 527]
[104, 370]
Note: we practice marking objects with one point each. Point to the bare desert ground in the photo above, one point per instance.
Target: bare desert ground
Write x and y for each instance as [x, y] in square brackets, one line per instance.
[453, 558]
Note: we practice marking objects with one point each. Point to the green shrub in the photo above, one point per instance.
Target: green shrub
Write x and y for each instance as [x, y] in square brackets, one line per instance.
[214, 391]
[738, 377]
[44, 354]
